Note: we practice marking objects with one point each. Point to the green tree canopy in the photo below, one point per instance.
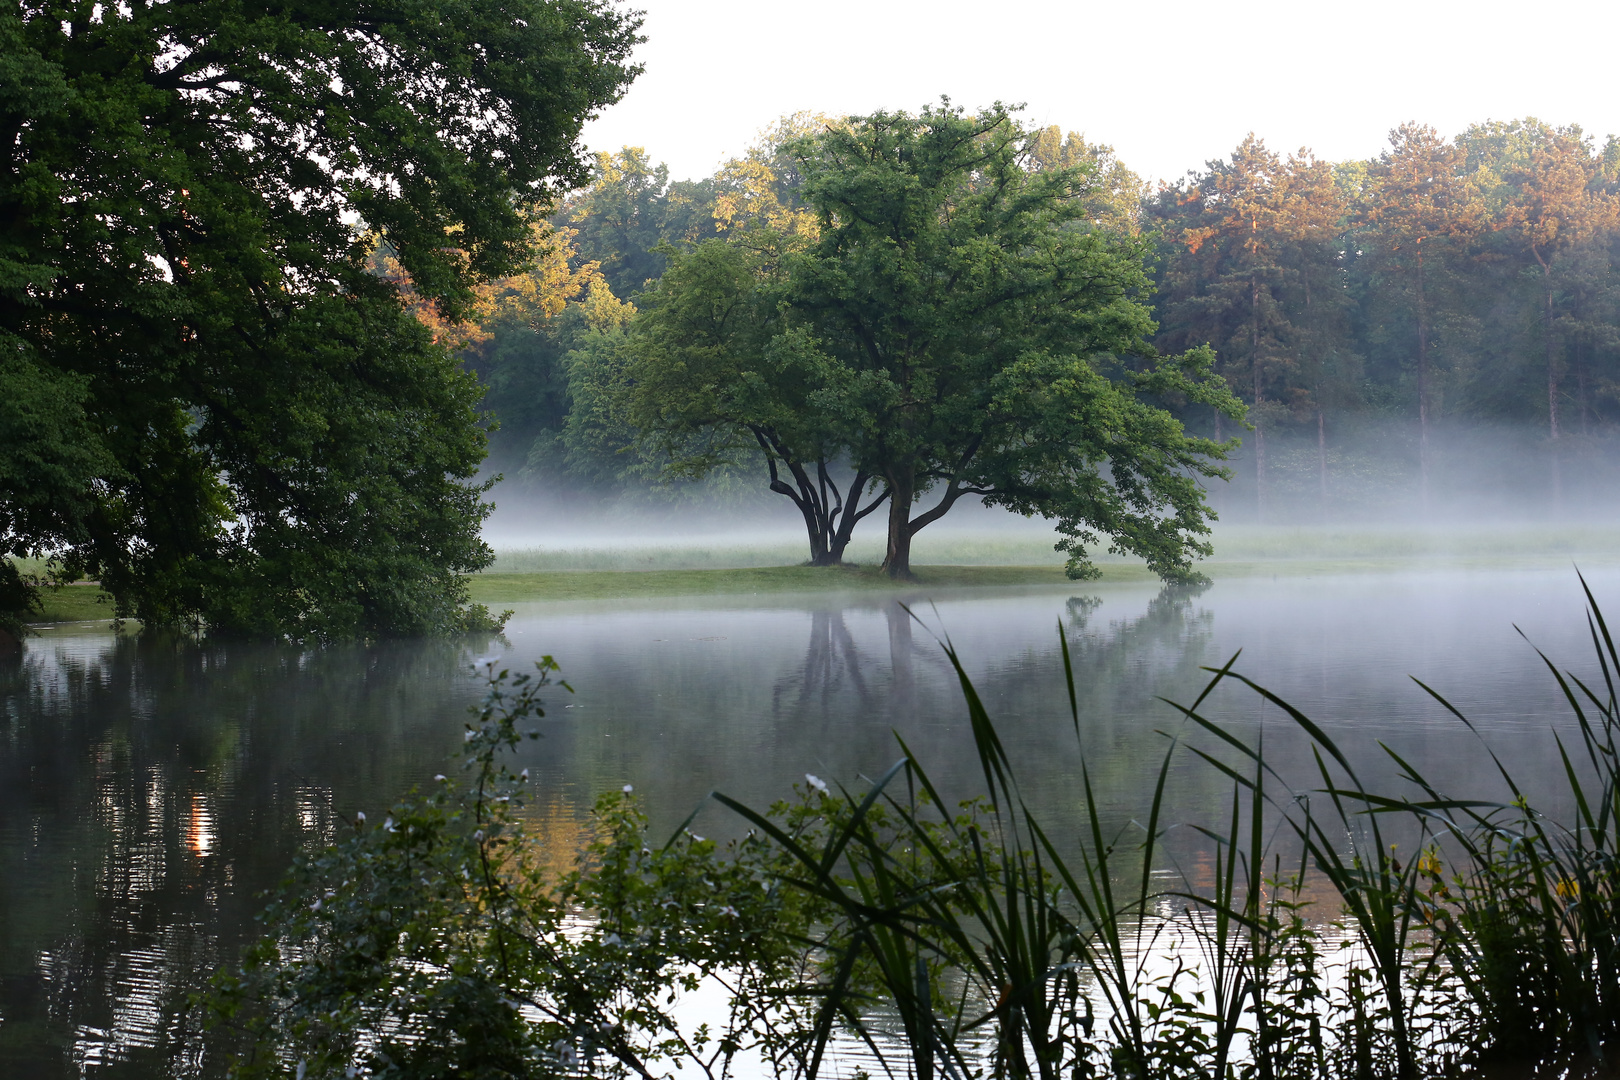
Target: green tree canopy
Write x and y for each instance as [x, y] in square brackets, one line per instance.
[934, 303]
[260, 437]
[998, 344]
[631, 210]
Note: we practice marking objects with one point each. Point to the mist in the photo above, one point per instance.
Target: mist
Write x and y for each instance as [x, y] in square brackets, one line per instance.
[1355, 493]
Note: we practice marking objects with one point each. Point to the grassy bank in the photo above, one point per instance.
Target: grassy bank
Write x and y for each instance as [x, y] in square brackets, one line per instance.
[1029, 547]
[966, 560]
[76, 603]
[497, 588]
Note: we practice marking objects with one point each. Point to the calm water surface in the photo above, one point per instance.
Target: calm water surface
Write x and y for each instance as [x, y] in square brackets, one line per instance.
[151, 788]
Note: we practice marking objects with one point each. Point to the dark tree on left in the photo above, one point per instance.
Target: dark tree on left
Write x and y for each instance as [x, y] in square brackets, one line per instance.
[207, 400]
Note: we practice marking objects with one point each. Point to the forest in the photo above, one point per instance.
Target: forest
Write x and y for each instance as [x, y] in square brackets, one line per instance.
[1429, 329]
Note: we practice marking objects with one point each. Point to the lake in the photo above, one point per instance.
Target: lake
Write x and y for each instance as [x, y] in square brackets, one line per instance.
[151, 787]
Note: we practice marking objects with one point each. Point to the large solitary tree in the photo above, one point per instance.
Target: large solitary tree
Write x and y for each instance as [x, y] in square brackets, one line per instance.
[207, 399]
[996, 339]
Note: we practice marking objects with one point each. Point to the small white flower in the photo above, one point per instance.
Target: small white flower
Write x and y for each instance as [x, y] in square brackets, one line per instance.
[628, 788]
[524, 774]
[470, 736]
[479, 835]
[696, 839]
[388, 824]
[317, 905]
[360, 815]
[816, 782]
[729, 910]
[438, 778]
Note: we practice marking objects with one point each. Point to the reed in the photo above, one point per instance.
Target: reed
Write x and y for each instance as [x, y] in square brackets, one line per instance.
[1499, 939]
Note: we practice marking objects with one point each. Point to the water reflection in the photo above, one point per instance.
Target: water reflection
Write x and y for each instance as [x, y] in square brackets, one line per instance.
[151, 788]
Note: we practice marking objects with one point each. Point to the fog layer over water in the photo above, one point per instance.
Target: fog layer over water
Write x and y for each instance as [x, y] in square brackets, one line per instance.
[1504, 484]
[149, 789]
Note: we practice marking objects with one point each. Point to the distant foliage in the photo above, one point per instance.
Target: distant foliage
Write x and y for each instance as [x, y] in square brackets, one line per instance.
[1448, 281]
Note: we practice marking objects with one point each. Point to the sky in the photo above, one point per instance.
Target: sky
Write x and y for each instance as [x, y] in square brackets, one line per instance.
[1169, 84]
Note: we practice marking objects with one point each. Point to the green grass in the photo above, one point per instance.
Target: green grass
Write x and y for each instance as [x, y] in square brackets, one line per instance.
[494, 588]
[1233, 544]
[75, 603]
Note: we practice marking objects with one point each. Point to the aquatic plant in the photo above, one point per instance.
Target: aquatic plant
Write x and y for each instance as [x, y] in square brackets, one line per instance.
[438, 942]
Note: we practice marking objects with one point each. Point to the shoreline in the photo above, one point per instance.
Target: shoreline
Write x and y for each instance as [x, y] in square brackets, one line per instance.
[572, 585]
[85, 603]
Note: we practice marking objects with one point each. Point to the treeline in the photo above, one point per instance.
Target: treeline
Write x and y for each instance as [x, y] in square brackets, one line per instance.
[1470, 279]
[1365, 311]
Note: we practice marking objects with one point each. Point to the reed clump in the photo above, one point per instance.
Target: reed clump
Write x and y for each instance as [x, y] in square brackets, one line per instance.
[887, 928]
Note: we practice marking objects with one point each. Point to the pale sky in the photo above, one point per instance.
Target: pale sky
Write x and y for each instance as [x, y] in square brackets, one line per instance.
[1169, 83]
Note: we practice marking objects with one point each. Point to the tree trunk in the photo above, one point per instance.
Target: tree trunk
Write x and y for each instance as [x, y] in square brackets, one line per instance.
[902, 486]
[1580, 390]
[818, 537]
[1547, 341]
[812, 508]
[849, 516]
[1259, 429]
[1423, 386]
[1321, 454]
[1552, 383]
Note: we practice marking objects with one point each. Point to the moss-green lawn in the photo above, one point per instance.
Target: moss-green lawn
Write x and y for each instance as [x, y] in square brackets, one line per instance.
[494, 589]
[75, 603]
[614, 584]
